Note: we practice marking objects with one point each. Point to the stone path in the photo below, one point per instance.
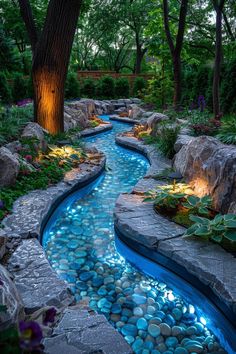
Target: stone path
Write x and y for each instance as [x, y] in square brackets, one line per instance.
[84, 332]
[137, 221]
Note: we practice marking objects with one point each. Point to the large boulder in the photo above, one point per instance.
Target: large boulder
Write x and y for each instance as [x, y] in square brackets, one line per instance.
[181, 141]
[90, 104]
[135, 111]
[153, 122]
[9, 167]
[9, 297]
[210, 167]
[35, 131]
[75, 117]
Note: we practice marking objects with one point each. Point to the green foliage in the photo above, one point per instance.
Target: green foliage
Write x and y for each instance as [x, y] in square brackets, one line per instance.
[227, 131]
[5, 89]
[107, 87]
[72, 89]
[88, 88]
[139, 86]
[197, 205]
[122, 87]
[221, 229]
[228, 88]
[50, 170]
[19, 88]
[159, 91]
[168, 196]
[30, 88]
[9, 340]
[166, 140]
[12, 121]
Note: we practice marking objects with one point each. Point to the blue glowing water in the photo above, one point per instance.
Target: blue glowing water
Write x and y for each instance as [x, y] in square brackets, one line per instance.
[79, 242]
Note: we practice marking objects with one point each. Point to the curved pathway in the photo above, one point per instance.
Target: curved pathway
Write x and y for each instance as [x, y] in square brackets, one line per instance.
[79, 242]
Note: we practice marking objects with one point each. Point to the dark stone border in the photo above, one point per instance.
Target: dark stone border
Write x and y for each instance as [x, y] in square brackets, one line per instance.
[164, 257]
[97, 130]
[123, 119]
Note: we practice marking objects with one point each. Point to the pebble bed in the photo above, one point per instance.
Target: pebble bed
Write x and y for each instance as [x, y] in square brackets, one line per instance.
[81, 248]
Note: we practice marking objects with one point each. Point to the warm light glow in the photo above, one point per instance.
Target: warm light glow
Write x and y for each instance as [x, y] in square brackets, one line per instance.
[200, 187]
[48, 100]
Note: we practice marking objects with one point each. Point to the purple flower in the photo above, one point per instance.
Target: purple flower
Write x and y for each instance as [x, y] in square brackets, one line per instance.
[201, 103]
[24, 102]
[49, 316]
[1, 204]
[30, 335]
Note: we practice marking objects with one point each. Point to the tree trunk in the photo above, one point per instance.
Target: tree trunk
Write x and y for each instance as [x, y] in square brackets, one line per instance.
[139, 58]
[177, 81]
[51, 56]
[218, 54]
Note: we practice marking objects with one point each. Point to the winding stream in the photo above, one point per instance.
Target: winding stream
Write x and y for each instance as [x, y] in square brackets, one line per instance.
[79, 242]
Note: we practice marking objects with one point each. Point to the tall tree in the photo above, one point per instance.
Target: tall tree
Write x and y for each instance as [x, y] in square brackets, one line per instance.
[218, 6]
[51, 53]
[176, 46]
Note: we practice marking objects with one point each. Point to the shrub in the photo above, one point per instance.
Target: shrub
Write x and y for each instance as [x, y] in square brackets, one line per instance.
[122, 87]
[12, 121]
[166, 140]
[107, 87]
[5, 90]
[228, 88]
[72, 86]
[88, 88]
[139, 86]
[19, 88]
[227, 131]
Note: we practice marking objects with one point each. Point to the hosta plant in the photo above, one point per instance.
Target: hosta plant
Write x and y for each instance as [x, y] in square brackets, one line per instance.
[221, 229]
[169, 196]
[197, 205]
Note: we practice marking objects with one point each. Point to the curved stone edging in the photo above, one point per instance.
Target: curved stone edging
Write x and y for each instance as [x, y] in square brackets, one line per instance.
[101, 128]
[29, 211]
[204, 264]
[123, 119]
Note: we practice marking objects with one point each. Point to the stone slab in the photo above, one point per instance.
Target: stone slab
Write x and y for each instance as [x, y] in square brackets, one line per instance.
[138, 221]
[35, 280]
[93, 131]
[82, 332]
[208, 262]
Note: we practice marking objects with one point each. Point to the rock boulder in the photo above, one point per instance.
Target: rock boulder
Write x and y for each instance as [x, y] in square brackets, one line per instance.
[9, 167]
[210, 167]
[35, 131]
[153, 122]
[135, 112]
[10, 298]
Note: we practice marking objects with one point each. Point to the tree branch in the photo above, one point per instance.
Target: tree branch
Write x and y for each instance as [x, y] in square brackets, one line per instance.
[167, 27]
[182, 22]
[26, 13]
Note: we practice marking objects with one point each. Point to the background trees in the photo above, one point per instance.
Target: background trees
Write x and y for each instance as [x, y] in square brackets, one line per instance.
[188, 46]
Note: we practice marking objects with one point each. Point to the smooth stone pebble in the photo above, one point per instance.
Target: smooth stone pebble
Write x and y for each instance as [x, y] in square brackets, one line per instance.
[116, 308]
[129, 339]
[138, 311]
[176, 330]
[139, 299]
[171, 342]
[154, 330]
[138, 343]
[165, 329]
[193, 346]
[180, 351]
[129, 330]
[142, 323]
[177, 313]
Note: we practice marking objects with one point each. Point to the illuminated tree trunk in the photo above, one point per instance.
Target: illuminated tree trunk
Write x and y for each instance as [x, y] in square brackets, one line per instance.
[51, 54]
